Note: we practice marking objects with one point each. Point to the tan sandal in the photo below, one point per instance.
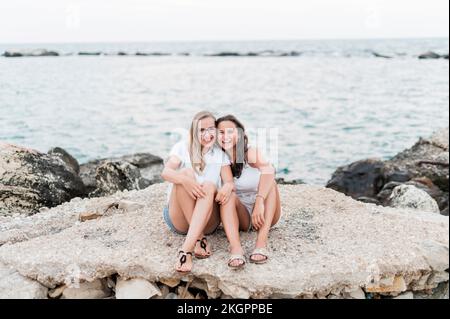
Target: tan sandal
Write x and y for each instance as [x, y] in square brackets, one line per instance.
[262, 252]
[235, 257]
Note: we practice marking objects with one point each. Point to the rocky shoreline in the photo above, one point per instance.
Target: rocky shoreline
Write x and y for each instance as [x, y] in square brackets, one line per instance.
[105, 236]
[418, 177]
[430, 55]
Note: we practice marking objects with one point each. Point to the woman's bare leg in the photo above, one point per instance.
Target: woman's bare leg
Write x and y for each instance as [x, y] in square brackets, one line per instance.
[201, 215]
[187, 206]
[231, 221]
[272, 212]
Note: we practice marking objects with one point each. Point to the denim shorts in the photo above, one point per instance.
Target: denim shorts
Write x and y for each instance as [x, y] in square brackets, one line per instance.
[169, 222]
[172, 227]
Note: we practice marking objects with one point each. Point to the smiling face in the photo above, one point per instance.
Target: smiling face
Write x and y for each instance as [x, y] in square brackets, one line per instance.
[207, 132]
[228, 135]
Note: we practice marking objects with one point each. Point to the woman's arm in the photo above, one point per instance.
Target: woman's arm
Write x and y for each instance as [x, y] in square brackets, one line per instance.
[223, 194]
[266, 182]
[256, 160]
[170, 174]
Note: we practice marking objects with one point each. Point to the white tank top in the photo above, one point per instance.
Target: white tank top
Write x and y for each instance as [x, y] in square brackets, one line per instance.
[248, 182]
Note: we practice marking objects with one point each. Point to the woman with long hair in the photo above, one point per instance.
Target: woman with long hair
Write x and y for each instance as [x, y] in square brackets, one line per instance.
[200, 179]
[256, 200]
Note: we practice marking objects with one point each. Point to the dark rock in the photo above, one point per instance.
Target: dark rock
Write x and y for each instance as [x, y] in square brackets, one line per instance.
[30, 53]
[426, 158]
[224, 54]
[423, 183]
[398, 176]
[445, 56]
[30, 180]
[363, 178]
[378, 55]
[295, 53]
[282, 181]
[152, 54]
[89, 53]
[386, 191]
[429, 55]
[150, 168]
[424, 165]
[11, 54]
[66, 157]
[49, 53]
[368, 200]
[118, 176]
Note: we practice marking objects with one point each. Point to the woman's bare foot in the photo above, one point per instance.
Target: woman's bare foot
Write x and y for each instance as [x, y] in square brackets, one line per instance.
[202, 248]
[237, 259]
[184, 263]
[259, 256]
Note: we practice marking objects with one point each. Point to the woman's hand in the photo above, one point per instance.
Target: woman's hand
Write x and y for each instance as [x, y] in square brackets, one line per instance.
[193, 188]
[258, 214]
[223, 194]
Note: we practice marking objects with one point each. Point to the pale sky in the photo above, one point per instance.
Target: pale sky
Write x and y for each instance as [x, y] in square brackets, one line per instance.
[26, 21]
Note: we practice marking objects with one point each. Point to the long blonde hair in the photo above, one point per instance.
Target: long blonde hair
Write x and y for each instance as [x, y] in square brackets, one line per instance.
[195, 147]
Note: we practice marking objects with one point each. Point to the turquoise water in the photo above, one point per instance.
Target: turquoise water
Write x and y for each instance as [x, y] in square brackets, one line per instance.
[332, 105]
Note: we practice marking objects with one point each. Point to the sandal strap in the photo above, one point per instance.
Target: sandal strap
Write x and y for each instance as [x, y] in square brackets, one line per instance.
[203, 243]
[183, 257]
[236, 257]
[260, 251]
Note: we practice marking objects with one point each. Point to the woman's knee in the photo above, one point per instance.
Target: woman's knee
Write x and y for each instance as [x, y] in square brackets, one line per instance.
[230, 204]
[209, 188]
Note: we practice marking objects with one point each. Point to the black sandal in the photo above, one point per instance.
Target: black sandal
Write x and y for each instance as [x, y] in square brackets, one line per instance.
[183, 260]
[203, 245]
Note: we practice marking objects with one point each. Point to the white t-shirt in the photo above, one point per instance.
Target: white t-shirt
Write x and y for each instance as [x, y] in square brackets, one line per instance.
[215, 159]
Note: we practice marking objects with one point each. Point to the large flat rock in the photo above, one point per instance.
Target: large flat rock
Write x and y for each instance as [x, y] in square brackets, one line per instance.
[326, 243]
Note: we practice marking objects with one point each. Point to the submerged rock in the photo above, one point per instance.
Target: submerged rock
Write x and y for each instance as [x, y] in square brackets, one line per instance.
[429, 55]
[282, 181]
[326, 244]
[90, 53]
[29, 53]
[30, 180]
[379, 55]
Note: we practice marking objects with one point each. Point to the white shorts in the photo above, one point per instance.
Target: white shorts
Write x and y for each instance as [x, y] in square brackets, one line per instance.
[248, 200]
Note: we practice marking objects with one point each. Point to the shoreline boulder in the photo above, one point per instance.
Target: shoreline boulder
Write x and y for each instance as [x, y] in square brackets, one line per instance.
[30, 180]
[137, 171]
[424, 165]
[408, 196]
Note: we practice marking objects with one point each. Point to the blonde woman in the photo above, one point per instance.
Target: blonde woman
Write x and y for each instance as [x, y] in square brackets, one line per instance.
[256, 203]
[200, 179]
